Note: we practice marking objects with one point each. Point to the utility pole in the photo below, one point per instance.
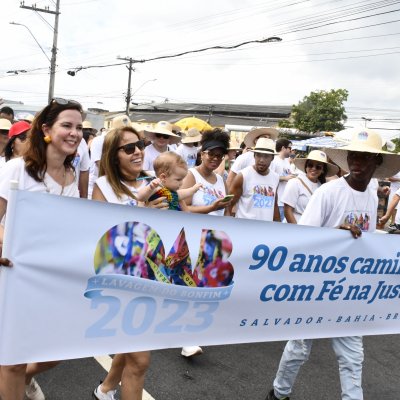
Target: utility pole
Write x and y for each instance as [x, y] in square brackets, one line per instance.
[53, 60]
[128, 97]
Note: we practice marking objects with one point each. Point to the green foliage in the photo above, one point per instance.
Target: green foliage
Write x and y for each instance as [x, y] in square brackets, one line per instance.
[321, 111]
[285, 123]
[397, 143]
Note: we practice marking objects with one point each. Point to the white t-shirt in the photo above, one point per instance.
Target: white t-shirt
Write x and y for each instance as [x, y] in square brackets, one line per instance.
[110, 195]
[397, 219]
[96, 149]
[282, 168]
[258, 195]
[394, 187]
[243, 161]
[209, 192]
[336, 203]
[15, 170]
[81, 161]
[189, 154]
[2, 161]
[150, 154]
[297, 196]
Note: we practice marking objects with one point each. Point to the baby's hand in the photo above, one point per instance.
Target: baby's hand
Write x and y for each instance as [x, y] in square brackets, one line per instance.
[197, 186]
[155, 183]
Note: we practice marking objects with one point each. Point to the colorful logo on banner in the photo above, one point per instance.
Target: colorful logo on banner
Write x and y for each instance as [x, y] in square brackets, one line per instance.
[131, 257]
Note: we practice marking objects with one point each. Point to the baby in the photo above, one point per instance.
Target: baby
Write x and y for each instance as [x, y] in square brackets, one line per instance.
[170, 169]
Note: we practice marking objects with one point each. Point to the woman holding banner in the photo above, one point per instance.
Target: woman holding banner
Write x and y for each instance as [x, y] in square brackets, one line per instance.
[120, 178]
[45, 167]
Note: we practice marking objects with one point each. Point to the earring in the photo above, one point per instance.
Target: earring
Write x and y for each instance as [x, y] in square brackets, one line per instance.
[47, 139]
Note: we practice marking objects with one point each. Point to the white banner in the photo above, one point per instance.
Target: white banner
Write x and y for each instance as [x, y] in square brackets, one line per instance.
[70, 293]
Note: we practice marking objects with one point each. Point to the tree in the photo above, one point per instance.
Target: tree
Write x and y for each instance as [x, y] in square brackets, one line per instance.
[321, 111]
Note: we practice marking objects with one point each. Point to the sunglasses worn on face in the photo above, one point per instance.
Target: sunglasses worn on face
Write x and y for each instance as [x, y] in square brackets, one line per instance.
[162, 136]
[130, 148]
[218, 156]
[318, 167]
[361, 155]
[22, 137]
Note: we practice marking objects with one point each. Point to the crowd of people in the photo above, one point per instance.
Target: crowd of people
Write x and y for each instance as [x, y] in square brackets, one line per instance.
[200, 172]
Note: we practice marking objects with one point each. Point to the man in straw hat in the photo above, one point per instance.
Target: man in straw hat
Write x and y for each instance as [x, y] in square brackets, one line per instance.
[89, 132]
[246, 159]
[161, 137]
[188, 148]
[346, 203]
[254, 187]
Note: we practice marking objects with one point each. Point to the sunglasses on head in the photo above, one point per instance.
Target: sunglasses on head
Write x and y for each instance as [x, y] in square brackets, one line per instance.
[161, 136]
[63, 102]
[130, 148]
[318, 167]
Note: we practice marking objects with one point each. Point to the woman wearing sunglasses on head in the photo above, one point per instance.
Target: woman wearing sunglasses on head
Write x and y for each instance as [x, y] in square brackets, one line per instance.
[17, 136]
[121, 176]
[46, 166]
[298, 191]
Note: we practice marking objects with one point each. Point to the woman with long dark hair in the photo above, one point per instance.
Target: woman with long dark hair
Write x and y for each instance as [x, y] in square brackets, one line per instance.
[46, 166]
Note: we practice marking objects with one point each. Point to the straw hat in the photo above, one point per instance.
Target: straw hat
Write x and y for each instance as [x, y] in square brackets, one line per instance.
[264, 146]
[28, 117]
[5, 124]
[165, 128]
[320, 156]
[367, 141]
[18, 128]
[191, 136]
[251, 138]
[88, 125]
[234, 145]
[120, 122]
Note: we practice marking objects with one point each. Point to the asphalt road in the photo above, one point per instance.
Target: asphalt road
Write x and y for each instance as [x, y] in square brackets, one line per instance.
[238, 372]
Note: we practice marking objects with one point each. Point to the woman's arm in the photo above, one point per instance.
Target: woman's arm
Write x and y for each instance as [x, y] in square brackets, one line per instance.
[97, 194]
[3, 207]
[392, 205]
[289, 214]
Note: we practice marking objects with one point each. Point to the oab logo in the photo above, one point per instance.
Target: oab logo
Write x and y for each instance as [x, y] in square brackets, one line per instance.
[131, 257]
[363, 135]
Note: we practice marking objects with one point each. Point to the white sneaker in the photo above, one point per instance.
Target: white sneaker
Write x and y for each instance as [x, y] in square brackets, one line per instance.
[190, 351]
[33, 391]
[100, 395]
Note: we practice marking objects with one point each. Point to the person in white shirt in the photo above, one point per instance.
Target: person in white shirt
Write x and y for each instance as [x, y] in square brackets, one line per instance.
[254, 187]
[346, 203]
[46, 166]
[247, 158]
[314, 171]
[394, 187]
[281, 166]
[5, 126]
[161, 137]
[188, 148]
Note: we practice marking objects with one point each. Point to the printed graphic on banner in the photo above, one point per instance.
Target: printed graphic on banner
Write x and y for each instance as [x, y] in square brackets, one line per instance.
[131, 257]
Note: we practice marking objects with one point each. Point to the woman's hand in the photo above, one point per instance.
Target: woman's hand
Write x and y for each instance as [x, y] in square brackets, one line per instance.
[354, 230]
[159, 203]
[220, 204]
[383, 220]
[5, 262]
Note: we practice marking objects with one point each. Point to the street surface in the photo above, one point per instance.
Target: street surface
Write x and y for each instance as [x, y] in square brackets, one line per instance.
[237, 372]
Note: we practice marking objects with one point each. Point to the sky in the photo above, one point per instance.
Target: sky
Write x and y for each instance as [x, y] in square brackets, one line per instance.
[326, 44]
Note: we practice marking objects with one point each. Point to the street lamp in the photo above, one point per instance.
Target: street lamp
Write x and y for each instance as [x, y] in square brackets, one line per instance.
[41, 48]
[366, 120]
[149, 80]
